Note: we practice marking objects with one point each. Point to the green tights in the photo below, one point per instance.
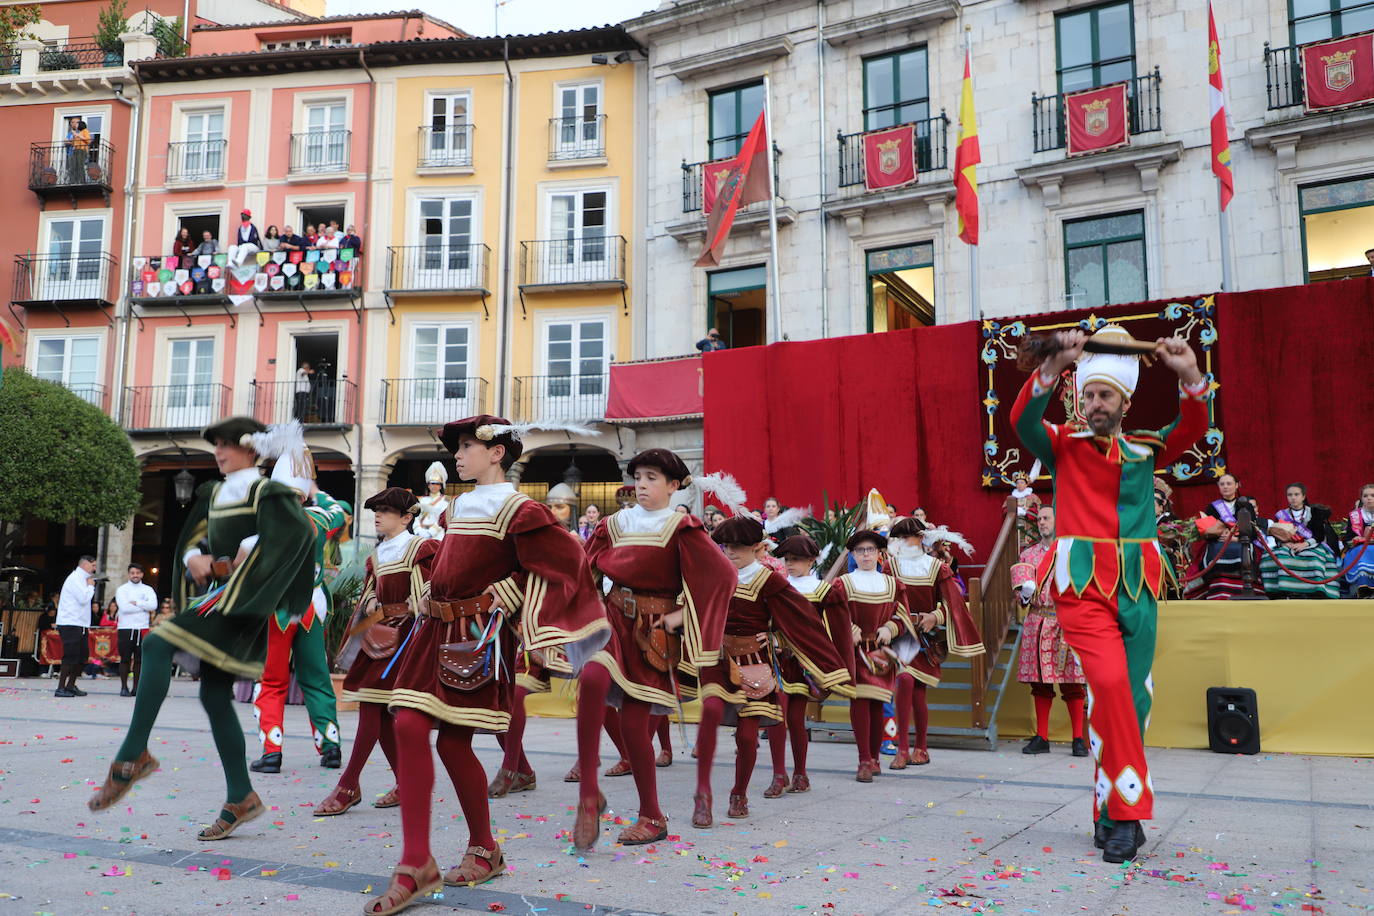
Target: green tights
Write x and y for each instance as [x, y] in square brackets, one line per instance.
[216, 696]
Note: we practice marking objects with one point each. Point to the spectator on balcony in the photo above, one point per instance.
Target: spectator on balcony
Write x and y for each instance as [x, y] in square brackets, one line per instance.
[290, 241]
[312, 237]
[271, 239]
[353, 241]
[305, 382]
[183, 244]
[78, 142]
[711, 342]
[329, 239]
[247, 241]
[208, 244]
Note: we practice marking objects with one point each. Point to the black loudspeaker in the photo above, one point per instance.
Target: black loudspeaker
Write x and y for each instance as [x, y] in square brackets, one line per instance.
[1233, 720]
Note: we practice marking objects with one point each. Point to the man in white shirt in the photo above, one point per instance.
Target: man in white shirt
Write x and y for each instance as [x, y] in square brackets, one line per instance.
[73, 620]
[135, 603]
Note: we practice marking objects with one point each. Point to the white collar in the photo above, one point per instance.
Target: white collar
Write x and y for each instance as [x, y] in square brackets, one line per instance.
[915, 566]
[638, 520]
[805, 584]
[1022, 493]
[870, 581]
[747, 574]
[393, 548]
[482, 501]
[235, 486]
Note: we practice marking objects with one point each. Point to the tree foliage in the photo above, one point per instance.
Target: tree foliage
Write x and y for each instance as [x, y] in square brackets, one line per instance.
[14, 20]
[110, 24]
[62, 459]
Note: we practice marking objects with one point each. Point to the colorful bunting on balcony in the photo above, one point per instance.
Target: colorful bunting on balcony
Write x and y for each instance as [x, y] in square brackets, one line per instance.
[1096, 119]
[1339, 73]
[890, 157]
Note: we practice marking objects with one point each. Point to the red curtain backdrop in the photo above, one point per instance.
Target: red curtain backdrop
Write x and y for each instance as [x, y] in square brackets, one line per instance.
[899, 411]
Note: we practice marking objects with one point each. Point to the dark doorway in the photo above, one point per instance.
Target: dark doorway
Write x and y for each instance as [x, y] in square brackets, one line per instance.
[319, 217]
[198, 224]
[738, 306]
[319, 404]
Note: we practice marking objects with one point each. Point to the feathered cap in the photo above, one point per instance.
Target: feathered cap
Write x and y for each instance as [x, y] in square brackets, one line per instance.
[865, 536]
[786, 519]
[397, 498]
[933, 536]
[672, 467]
[798, 545]
[232, 430]
[296, 470]
[285, 442]
[500, 431]
[876, 508]
[741, 530]
[436, 473]
[1120, 372]
[725, 490]
[907, 528]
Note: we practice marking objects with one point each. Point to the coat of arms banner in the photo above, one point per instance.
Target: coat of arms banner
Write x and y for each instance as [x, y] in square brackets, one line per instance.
[1096, 119]
[890, 157]
[1338, 73]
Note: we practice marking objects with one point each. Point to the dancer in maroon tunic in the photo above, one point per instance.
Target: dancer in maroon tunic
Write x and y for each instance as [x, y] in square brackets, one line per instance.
[742, 689]
[504, 558]
[394, 588]
[650, 555]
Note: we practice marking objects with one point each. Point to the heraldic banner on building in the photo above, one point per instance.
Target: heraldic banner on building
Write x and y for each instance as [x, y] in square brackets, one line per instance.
[1340, 72]
[890, 157]
[1096, 119]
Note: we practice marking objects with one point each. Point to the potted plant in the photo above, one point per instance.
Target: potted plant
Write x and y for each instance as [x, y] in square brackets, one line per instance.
[831, 531]
[57, 59]
[109, 25]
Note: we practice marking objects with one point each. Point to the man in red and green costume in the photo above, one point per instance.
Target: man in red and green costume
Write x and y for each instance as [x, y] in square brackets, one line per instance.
[297, 641]
[1106, 570]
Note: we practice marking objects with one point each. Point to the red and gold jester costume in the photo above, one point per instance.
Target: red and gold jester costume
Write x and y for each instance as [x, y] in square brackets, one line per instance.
[1107, 568]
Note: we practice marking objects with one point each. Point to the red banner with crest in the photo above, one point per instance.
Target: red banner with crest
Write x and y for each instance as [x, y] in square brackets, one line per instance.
[890, 157]
[1339, 73]
[1096, 119]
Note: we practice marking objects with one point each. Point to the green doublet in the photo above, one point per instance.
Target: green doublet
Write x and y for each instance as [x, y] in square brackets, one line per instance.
[278, 572]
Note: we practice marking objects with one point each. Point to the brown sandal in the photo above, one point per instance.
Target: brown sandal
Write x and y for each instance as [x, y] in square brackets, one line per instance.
[900, 761]
[469, 874]
[920, 757]
[701, 810]
[865, 773]
[575, 774]
[587, 827]
[390, 800]
[777, 786]
[398, 896]
[644, 830]
[620, 769]
[241, 812]
[739, 806]
[338, 801]
[800, 783]
[664, 758]
[121, 778]
[508, 781]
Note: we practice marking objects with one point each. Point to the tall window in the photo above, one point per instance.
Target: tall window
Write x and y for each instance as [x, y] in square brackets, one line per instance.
[190, 378]
[441, 360]
[202, 153]
[326, 139]
[70, 361]
[1096, 46]
[578, 130]
[447, 140]
[896, 89]
[576, 250]
[901, 287]
[1104, 260]
[74, 267]
[446, 257]
[1337, 228]
[733, 113]
[737, 305]
[575, 368]
[1314, 20]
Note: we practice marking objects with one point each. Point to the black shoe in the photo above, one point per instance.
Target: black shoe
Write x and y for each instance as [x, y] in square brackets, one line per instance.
[124, 692]
[76, 691]
[63, 692]
[1120, 843]
[331, 757]
[267, 763]
[1080, 747]
[1036, 745]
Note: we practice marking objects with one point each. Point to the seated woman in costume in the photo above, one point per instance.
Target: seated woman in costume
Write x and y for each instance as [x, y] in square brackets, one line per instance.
[1298, 556]
[1360, 553]
[1216, 571]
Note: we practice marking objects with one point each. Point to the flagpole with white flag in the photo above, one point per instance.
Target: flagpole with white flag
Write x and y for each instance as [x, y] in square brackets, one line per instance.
[773, 290]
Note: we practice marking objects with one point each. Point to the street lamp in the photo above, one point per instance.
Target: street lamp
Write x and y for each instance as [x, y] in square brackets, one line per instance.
[572, 475]
[184, 484]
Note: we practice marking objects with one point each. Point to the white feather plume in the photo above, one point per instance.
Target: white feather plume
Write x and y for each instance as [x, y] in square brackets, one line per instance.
[278, 439]
[824, 558]
[933, 536]
[787, 518]
[519, 430]
[725, 488]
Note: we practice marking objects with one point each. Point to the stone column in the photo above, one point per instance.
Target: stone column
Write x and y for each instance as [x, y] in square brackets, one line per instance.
[28, 55]
[138, 46]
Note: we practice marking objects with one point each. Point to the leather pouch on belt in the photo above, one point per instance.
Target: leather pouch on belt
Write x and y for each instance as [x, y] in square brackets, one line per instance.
[464, 667]
[755, 677]
[661, 649]
[382, 639]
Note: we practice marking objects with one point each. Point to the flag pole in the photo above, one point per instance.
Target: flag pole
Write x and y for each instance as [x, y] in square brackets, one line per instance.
[974, 310]
[773, 290]
[1225, 224]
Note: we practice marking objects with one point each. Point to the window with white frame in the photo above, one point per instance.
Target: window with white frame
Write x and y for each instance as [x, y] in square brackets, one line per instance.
[446, 257]
[72, 361]
[73, 263]
[447, 140]
[576, 250]
[441, 356]
[324, 145]
[200, 154]
[577, 132]
[575, 356]
[190, 399]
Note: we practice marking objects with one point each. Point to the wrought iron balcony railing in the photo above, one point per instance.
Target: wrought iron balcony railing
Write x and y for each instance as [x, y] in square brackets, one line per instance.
[63, 279]
[581, 260]
[560, 397]
[1142, 101]
[329, 402]
[149, 408]
[436, 267]
[1283, 84]
[693, 193]
[196, 160]
[431, 401]
[91, 393]
[446, 147]
[319, 151]
[577, 137]
[931, 150]
[78, 54]
[64, 168]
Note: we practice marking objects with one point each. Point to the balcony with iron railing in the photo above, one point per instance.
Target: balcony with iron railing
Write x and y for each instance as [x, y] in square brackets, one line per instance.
[62, 281]
[324, 403]
[1283, 76]
[431, 401]
[693, 192]
[931, 150]
[438, 268]
[446, 147]
[319, 152]
[171, 408]
[587, 260]
[1050, 132]
[78, 54]
[90, 392]
[577, 138]
[196, 162]
[63, 170]
[178, 280]
[560, 397]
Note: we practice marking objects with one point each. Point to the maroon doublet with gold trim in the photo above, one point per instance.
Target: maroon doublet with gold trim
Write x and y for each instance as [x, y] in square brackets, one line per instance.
[395, 585]
[935, 591]
[870, 612]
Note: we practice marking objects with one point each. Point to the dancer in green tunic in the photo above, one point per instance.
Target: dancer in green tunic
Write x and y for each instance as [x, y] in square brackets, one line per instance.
[226, 627]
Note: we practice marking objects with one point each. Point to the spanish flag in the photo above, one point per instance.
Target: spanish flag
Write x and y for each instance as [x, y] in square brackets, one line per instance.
[966, 159]
[1221, 143]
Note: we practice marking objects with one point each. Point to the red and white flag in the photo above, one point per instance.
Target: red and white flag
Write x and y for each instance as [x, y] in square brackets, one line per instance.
[1221, 143]
[745, 182]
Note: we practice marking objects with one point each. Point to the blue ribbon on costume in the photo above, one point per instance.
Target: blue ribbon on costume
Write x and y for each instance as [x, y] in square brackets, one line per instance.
[400, 651]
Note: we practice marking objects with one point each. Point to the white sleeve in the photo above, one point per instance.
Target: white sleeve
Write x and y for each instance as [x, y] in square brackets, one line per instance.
[249, 542]
[193, 552]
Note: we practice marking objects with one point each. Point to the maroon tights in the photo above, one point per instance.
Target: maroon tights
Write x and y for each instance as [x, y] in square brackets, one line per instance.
[794, 726]
[866, 718]
[374, 724]
[594, 685]
[911, 703]
[712, 711]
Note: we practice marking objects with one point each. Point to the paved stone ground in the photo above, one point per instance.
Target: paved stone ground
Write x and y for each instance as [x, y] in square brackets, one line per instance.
[982, 832]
